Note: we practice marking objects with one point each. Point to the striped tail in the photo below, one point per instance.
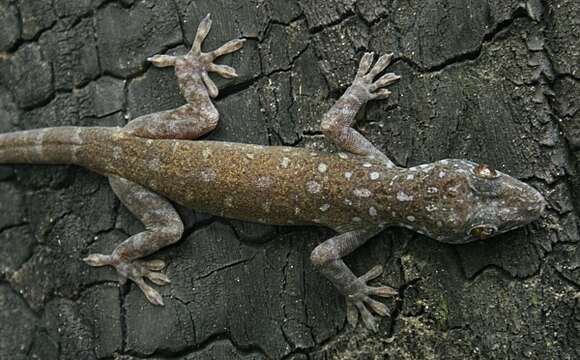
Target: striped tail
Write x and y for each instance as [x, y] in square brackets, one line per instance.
[46, 146]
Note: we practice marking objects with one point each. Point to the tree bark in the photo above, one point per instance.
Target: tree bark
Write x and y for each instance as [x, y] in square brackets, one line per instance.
[494, 81]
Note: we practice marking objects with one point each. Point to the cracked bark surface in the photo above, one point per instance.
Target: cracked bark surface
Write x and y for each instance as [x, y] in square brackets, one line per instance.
[494, 81]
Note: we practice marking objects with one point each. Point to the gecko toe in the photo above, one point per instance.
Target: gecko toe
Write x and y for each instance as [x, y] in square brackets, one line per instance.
[351, 314]
[158, 278]
[154, 265]
[372, 274]
[367, 318]
[227, 48]
[151, 294]
[365, 64]
[378, 307]
[380, 65]
[382, 291]
[98, 260]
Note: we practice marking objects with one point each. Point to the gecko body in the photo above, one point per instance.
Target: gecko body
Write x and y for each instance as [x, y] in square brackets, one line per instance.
[356, 192]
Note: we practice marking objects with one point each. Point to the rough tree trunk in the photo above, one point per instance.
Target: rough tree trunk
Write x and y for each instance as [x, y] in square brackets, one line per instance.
[495, 81]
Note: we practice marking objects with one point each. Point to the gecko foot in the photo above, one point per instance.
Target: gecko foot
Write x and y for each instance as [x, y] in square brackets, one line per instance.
[359, 299]
[366, 74]
[136, 271]
[200, 62]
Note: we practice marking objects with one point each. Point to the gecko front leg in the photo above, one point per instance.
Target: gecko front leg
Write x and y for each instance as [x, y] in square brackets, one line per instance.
[337, 122]
[327, 257]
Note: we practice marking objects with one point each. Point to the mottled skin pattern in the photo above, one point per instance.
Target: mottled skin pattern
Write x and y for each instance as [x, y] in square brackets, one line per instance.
[357, 192]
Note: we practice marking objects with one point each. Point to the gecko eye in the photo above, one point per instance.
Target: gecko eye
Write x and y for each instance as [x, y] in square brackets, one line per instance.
[485, 172]
[483, 231]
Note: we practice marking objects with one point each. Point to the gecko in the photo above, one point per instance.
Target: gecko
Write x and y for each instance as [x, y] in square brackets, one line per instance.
[357, 191]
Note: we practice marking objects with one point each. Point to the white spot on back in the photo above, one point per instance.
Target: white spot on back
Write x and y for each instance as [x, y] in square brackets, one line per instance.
[313, 187]
[324, 207]
[374, 175]
[206, 153]
[442, 174]
[410, 177]
[411, 218]
[367, 165]
[207, 175]
[229, 201]
[372, 211]
[348, 202]
[342, 155]
[154, 164]
[117, 152]
[356, 219]
[285, 162]
[250, 156]
[266, 206]
[362, 193]
[322, 167]
[348, 175]
[264, 182]
[401, 196]
[432, 190]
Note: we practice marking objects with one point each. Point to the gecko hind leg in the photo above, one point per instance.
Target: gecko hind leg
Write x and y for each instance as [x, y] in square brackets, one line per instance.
[199, 115]
[163, 227]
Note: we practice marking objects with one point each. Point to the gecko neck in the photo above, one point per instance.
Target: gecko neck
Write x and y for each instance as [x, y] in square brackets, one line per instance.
[409, 196]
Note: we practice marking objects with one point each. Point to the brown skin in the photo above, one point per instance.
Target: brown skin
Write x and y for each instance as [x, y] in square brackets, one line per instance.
[356, 193]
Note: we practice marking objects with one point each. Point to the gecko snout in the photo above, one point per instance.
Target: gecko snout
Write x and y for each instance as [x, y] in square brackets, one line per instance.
[532, 202]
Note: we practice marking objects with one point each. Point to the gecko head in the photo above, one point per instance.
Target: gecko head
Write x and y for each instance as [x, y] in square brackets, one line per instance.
[466, 201]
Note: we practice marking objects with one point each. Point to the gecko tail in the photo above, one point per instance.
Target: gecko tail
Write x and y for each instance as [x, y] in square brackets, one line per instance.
[44, 146]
